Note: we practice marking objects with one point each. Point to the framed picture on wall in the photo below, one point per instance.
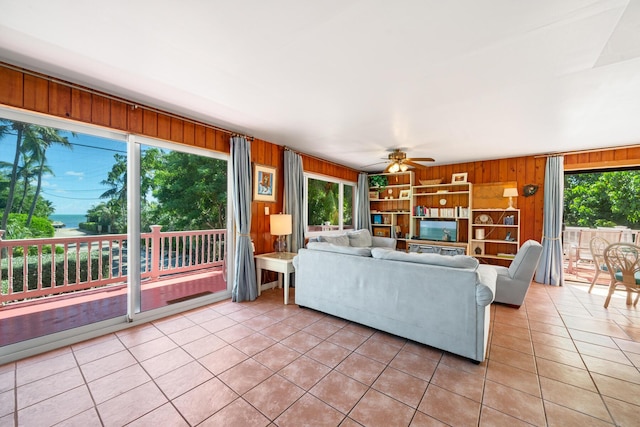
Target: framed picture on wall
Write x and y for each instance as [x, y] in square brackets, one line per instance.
[264, 183]
[459, 178]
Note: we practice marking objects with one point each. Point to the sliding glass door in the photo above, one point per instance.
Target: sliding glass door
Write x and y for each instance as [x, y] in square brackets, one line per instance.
[100, 228]
[183, 225]
[63, 253]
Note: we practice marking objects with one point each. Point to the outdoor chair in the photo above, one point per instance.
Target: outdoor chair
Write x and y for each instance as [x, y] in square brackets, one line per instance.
[579, 251]
[623, 264]
[597, 246]
[582, 252]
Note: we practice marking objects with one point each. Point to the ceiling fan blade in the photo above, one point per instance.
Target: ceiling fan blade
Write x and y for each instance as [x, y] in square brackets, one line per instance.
[415, 165]
[373, 164]
[422, 159]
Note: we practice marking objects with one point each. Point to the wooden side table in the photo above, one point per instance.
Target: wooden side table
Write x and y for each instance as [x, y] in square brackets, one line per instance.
[280, 262]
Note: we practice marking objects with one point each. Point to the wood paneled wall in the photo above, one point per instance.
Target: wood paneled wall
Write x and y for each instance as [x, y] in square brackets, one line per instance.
[603, 159]
[25, 91]
[37, 93]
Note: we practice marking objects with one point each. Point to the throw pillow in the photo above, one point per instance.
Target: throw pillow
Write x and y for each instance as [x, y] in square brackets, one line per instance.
[341, 240]
[360, 238]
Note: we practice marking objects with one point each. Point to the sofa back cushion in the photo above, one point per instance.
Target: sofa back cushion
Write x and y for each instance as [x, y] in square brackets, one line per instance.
[456, 261]
[330, 247]
[525, 263]
[360, 238]
[340, 240]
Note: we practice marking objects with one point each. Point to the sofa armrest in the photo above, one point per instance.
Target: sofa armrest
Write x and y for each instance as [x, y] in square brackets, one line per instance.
[486, 286]
[383, 242]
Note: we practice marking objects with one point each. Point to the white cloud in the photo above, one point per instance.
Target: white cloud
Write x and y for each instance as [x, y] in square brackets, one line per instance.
[80, 175]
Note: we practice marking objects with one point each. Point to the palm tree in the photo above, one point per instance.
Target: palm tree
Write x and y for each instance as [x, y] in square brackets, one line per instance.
[6, 127]
[38, 142]
[117, 181]
[26, 172]
[32, 142]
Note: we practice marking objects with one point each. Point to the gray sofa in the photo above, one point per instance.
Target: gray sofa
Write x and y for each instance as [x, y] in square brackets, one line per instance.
[441, 301]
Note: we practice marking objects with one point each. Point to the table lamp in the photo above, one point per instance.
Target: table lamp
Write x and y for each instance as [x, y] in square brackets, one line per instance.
[510, 193]
[281, 227]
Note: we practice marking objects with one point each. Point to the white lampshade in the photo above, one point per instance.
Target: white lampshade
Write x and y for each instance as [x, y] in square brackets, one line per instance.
[280, 224]
[510, 192]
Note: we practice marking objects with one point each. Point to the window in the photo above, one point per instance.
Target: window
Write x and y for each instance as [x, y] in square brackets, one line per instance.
[329, 204]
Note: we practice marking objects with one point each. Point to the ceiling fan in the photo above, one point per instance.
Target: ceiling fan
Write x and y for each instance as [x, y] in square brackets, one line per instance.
[399, 162]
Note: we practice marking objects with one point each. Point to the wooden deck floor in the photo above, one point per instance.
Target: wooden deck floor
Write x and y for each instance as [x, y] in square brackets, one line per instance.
[26, 320]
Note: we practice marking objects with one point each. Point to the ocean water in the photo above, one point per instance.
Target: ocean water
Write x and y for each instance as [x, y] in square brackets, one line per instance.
[69, 220]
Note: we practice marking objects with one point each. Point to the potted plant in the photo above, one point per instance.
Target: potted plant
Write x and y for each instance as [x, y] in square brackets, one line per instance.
[379, 182]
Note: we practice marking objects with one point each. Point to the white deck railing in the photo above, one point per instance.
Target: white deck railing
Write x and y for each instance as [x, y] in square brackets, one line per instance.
[94, 261]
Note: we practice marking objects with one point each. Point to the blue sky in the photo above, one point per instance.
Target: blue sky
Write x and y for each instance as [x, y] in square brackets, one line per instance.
[75, 185]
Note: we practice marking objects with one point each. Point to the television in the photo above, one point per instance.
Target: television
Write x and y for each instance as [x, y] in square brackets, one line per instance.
[439, 230]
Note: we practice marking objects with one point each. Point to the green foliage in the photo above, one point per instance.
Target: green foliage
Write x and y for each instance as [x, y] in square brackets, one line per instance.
[33, 250]
[378, 181]
[32, 266]
[107, 216]
[43, 208]
[190, 192]
[347, 204]
[88, 226]
[602, 199]
[179, 191]
[323, 199]
[17, 228]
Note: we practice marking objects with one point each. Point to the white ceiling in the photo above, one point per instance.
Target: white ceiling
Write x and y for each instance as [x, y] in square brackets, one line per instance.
[346, 80]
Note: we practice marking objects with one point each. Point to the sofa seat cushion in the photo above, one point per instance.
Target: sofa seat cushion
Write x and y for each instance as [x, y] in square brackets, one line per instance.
[330, 247]
[456, 261]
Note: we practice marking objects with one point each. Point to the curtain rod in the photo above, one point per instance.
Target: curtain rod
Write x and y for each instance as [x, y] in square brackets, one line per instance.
[319, 158]
[591, 150]
[131, 104]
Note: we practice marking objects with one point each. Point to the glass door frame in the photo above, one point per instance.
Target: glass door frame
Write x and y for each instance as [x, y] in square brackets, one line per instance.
[134, 285]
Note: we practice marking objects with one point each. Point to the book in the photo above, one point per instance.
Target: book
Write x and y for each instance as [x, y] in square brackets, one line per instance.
[505, 255]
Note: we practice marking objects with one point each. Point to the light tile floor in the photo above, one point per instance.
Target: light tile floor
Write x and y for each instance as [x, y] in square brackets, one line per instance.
[559, 360]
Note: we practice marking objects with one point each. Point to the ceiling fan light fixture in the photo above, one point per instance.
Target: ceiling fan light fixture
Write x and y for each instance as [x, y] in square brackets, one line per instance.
[398, 161]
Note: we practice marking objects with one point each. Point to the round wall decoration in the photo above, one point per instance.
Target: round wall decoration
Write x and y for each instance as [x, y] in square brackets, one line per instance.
[483, 219]
[529, 190]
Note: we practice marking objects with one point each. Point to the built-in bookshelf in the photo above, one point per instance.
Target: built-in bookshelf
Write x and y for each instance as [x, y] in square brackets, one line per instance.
[450, 201]
[495, 233]
[390, 205]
